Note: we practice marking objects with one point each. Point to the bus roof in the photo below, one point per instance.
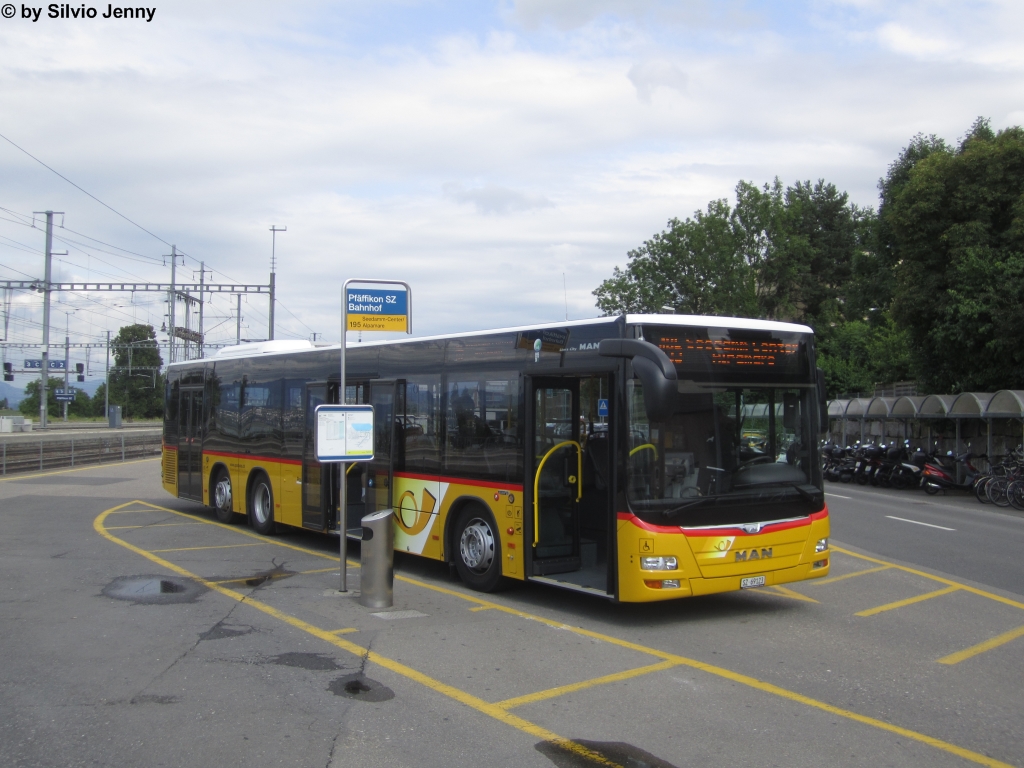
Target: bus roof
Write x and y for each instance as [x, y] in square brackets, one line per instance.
[699, 321]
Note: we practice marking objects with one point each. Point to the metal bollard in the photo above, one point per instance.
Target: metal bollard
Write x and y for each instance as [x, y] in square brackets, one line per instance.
[377, 571]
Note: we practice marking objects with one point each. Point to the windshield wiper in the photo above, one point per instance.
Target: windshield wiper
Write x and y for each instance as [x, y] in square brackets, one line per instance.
[807, 493]
[688, 505]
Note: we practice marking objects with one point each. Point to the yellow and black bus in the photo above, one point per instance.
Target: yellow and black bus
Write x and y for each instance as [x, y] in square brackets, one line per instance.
[639, 457]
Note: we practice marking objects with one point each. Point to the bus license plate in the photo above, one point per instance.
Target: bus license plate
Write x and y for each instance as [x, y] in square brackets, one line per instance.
[752, 581]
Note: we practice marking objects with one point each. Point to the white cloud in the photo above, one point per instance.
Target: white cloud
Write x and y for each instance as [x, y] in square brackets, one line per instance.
[491, 198]
[649, 75]
[491, 158]
[902, 39]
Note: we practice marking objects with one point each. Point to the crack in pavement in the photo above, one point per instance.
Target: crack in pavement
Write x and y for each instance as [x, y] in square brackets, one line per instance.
[181, 656]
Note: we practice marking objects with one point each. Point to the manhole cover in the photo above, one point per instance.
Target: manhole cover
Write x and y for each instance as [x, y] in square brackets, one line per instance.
[360, 688]
[153, 589]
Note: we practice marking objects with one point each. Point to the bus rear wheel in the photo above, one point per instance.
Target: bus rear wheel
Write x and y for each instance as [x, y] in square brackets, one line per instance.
[222, 498]
[261, 506]
[477, 550]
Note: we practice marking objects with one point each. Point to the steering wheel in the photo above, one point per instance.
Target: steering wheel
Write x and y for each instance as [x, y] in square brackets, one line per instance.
[766, 459]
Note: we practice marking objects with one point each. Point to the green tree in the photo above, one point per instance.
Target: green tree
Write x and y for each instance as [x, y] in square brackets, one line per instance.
[79, 407]
[29, 405]
[801, 242]
[780, 253]
[99, 401]
[136, 383]
[695, 266]
[953, 228]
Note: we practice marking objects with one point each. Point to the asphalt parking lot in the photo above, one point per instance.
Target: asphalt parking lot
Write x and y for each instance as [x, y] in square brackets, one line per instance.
[139, 631]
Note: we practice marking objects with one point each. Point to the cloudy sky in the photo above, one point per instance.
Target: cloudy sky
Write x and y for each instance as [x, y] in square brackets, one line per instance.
[479, 150]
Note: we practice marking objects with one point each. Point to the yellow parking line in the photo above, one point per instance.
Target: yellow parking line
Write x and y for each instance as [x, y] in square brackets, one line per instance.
[940, 579]
[561, 690]
[908, 601]
[988, 645]
[346, 631]
[778, 589]
[482, 608]
[240, 531]
[10, 478]
[834, 579]
[193, 549]
[154, 525]
[372, 656]
[316, 570]
[523, 725]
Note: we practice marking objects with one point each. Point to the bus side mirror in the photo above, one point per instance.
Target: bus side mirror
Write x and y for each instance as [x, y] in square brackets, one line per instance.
[656, 372]
[822, 403]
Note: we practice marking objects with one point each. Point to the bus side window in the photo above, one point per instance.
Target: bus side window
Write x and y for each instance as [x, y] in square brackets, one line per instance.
[171, 410]
[420, 424]
[482, 419]
[292, 419]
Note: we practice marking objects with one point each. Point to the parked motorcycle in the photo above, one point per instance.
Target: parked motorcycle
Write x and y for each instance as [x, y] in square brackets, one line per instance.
[941, 476]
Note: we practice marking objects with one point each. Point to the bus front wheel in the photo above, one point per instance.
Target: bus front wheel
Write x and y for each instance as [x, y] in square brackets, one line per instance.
[222, 501]
[261, 506]
[477, 550]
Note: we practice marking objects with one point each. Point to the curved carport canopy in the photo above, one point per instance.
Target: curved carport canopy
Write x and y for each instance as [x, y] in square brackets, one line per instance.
[907, 407]
[880, 408]
[858, 407]
[970, 404]
[936, 406]
[837, 408]
[1006, 404]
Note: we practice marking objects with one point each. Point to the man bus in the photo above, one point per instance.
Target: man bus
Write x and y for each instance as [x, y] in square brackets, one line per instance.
[610, 456]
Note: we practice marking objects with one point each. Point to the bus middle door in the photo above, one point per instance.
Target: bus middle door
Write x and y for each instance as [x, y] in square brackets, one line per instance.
[555, 474]
[319, 481]
[190, 444]
[379, 471]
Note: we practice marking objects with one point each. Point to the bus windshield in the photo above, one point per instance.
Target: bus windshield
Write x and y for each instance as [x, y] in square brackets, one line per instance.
[726, 455]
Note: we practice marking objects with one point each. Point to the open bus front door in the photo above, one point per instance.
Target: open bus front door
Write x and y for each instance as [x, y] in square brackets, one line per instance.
[568, 489]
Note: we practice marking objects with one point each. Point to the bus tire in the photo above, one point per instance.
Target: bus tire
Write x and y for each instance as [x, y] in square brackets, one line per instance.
[477, 550]
[220, 493]
[261, 506]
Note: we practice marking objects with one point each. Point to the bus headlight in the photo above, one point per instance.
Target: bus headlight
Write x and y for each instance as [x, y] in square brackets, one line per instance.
[669, 563]
[821, 546]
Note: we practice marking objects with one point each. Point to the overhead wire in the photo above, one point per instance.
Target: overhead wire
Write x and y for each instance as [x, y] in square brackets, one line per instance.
[83, 191]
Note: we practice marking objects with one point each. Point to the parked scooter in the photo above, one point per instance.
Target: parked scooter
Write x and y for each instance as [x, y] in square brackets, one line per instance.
[941, 476]
[904, 472]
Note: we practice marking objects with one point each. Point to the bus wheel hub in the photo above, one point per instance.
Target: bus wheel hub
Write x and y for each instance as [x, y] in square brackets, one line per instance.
[477, 545]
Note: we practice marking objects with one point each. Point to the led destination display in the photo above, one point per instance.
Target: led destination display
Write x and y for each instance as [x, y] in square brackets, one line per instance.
[698, 352]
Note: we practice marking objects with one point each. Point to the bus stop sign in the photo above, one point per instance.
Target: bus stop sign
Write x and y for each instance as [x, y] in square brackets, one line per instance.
[376, 309]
